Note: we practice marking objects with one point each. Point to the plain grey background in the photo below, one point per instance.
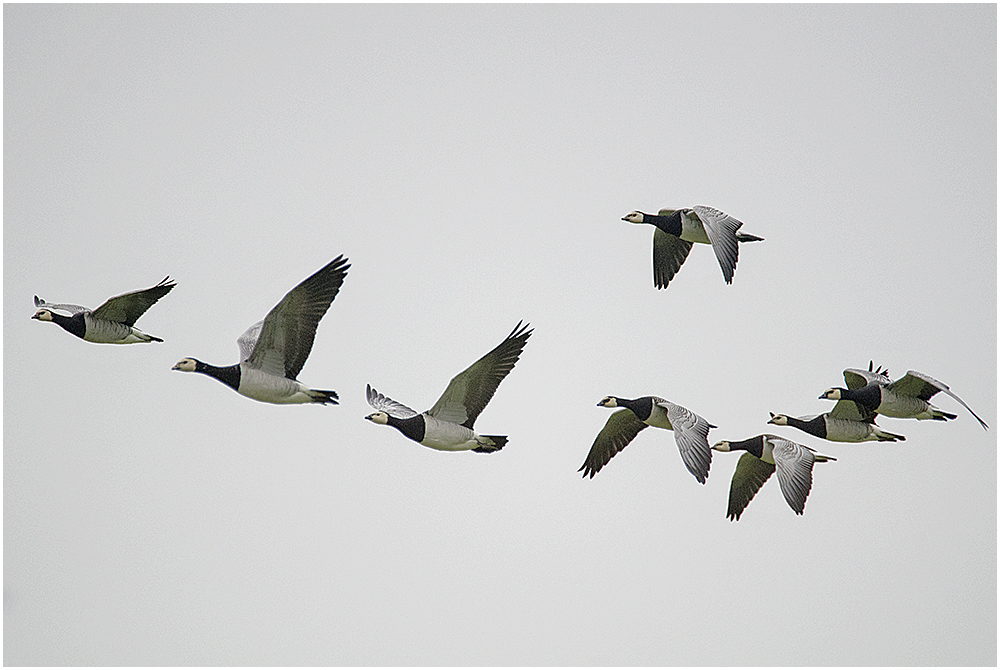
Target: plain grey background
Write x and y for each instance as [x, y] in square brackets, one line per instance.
[474, 162]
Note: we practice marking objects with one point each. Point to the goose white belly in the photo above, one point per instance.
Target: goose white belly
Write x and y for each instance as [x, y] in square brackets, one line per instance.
[904, 407]
[692, 229]
[269, 388]
[844, 430]
[447, 436]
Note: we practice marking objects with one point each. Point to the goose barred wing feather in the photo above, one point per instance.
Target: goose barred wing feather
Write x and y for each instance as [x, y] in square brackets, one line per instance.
[72, 309]
[618, 432]
[750, 475]
[721, 230]
[857, 378]
[691, 435]
[286, 336]
[128, 307]
[469, 391]
[248, 340]
[925, 387]
[383, 403]
[794, 463]
[669, 254]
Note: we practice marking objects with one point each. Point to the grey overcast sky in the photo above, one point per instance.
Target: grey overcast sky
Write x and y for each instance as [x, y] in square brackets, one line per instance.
[474, 163]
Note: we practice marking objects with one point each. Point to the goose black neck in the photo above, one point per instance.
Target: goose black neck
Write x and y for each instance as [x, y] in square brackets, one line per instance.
[641, 407]
[755, 446]
[671, 223]
[815, 426]
[869, 396]
[74, 324]
[413, 427]
[230, 375]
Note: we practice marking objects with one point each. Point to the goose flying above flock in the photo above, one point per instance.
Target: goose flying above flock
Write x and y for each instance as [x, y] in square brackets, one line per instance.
[690, 433]
[111, 323]
[677, 229]
[273, 351]
[448, 425]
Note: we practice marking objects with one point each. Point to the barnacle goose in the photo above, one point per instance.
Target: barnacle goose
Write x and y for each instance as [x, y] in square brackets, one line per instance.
[677, 229]
[111, 323]
[273, 351]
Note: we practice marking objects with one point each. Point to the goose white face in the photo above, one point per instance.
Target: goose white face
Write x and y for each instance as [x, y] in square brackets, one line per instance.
[778, 419]
[43, 315]
[721, 446]
[633, 217]
[186, 365]
[378, 417]
[608, 401]
[831, 394]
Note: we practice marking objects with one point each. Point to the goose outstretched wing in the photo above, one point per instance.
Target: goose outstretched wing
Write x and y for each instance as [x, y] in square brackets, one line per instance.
[669, 254]
[721, 230]
[750, 475]
[794, 463]
[72, 309]
[925, 387]
[618, 432]
[470, 390]
[128, 307]
[691, 435]
[285, 338]
[383, 403]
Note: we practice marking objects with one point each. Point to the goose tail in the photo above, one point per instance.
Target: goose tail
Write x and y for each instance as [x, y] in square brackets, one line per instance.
[490, 443]
[747, 237]
[324, 397]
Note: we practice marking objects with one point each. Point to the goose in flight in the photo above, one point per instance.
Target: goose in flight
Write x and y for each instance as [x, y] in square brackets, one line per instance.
[448, 425]
[690, 433]
[846, 422]
[677, 229]
[765, 454]
[273, 351]
[111, 323]
[905, 398]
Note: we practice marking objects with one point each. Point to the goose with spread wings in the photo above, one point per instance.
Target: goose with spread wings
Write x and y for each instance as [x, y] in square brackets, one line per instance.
[906, 398]
[690, 432]
[273, 351]
[111, 323]
[448, 425]
[677, 229]
[764, 455]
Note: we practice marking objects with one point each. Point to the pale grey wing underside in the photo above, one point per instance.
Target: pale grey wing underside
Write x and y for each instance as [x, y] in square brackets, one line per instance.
[248, 340]
[386, 404]
[794, 463]
[750, 475]
[72, 309]
[286, 338]
[691, 435]
[919, 385]
[669, 254]
[857, 378]
[721, 230]
[848, 409]
[618, 432]
[470, 390]
[128, 307]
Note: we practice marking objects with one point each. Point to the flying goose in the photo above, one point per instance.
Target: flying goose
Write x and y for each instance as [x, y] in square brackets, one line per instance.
[905, 398]
[690, 433]
[447, 426]
[677, 229]
[765, 454]
[273, 351]
[844, 423]
[111, 323]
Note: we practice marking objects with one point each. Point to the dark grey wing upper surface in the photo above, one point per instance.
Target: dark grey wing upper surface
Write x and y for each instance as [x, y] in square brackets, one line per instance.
[919, 385]
[721, 230]
[691, 435]
[669, 254]
[750, 475]
[470, 390]
[287, 334]
[621, 428]
[128, 307]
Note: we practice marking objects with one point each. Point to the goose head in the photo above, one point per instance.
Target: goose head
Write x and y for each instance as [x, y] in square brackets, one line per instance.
[832, 394]
[721, 445]
[187, 365]
[43, 315]
[378, 417]
[778, 419]
[608, 401]
[634, 217]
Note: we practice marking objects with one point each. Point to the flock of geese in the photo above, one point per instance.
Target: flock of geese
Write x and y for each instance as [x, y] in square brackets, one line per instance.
[273, 351]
